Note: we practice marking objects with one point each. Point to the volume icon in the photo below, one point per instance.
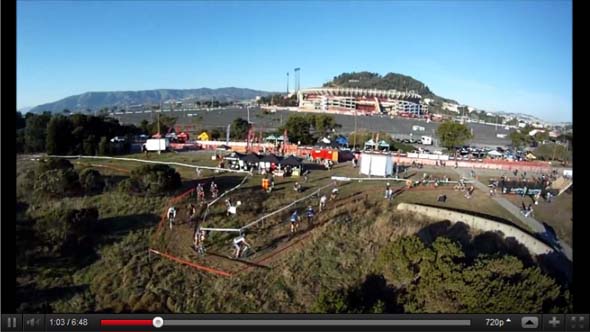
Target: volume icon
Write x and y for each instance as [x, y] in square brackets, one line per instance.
[32, 322]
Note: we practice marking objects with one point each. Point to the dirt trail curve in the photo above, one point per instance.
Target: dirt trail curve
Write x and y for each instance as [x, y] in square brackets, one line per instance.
[534, 225]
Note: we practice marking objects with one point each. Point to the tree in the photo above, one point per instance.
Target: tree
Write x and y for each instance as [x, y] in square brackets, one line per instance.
[298, 129]
[144, 125]
[59, 135]
[323, 123]
[239, 129]
[452, 134]
[20, 120]
[89, 145]
[103, 146]
[36, 131]
[216, 133]
[518, 139]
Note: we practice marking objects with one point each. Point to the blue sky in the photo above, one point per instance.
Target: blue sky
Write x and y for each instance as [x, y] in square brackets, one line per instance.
[511, 56]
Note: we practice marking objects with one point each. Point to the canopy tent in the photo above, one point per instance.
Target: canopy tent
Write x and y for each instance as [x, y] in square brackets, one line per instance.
[531, 156]
[270, 158]
[341, 140]
[325, 140]
[203, 136]
[370, 144]
[291, 161]
[271, 138]
[326, 145]
[250, 158]
[383, 145]
[494, 153]
[281, 138]
[234, 156]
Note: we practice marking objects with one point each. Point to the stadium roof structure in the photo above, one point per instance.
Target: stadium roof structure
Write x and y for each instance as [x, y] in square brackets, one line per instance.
[357, 92]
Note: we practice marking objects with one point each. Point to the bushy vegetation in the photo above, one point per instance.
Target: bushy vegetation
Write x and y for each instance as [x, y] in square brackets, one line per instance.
[553, 151]
[91, 181]
[391, 81]
[70, 232]
[152, 179]
[439, 278]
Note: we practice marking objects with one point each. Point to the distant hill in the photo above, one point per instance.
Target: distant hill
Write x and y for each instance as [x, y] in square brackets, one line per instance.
[391, 81]
[97, 100]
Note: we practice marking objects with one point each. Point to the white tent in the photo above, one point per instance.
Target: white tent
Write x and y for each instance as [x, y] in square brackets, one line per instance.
[494, 153]
[373, 164]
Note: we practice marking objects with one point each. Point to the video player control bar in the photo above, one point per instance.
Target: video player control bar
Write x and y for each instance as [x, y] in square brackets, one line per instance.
[292, 322]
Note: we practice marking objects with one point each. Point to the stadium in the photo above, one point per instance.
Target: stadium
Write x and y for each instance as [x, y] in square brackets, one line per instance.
[362, 101]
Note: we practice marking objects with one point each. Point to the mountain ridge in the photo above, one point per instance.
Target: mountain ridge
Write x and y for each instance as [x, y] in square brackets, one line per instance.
[100, 99]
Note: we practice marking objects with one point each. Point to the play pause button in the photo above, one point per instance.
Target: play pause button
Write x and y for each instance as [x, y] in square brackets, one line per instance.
[11, 323]
[529, 322]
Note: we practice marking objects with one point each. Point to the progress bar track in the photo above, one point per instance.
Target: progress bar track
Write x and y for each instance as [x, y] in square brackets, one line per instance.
[318, 322]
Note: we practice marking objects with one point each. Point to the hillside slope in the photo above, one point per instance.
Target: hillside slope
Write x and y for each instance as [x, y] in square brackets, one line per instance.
[390, 81]
[95, 100]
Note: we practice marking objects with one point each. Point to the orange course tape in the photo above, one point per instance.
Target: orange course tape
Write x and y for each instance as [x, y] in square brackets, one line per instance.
[193, 265]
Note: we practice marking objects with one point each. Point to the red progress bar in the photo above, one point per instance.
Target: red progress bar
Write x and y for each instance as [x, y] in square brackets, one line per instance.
[126, 322]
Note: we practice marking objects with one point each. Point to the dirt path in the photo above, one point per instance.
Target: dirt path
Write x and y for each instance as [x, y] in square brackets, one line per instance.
[534, 225]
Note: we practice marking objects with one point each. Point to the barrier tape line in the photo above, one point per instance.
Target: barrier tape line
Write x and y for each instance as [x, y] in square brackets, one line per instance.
[206, 213]
[153, 162]
[285, 207]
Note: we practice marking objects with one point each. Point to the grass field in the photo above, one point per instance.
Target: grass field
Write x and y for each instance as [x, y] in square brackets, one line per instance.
[338, 251]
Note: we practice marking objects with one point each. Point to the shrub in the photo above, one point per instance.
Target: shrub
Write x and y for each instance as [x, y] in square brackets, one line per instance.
[69, 232]
[91, 180]
[128, 186]
[156, 179]
[25, 183]
[58, 182]
[48, 164]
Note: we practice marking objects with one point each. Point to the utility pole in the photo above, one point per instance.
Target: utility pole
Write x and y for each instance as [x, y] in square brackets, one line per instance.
[159, 134]
[287, 83]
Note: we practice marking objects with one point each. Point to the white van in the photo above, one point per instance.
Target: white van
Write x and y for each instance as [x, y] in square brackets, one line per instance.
[426, 140]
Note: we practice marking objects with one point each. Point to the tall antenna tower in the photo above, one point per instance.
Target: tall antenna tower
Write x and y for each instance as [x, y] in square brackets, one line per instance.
[296, 70]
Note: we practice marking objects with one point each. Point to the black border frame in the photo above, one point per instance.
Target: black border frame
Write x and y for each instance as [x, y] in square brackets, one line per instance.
[8, 261]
